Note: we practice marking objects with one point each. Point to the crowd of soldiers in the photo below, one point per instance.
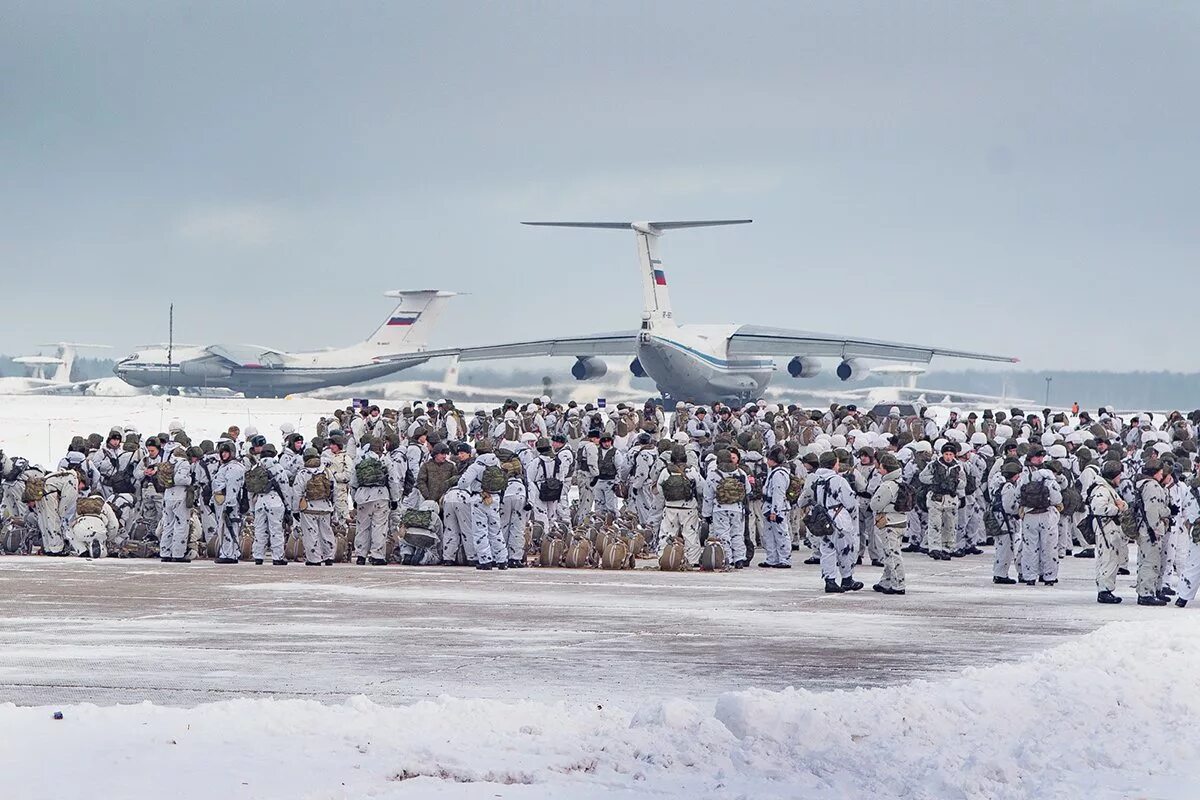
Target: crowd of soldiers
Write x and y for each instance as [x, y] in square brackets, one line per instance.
[705, 486]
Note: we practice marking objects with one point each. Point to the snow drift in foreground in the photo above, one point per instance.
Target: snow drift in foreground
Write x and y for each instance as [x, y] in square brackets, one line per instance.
[1111, 714]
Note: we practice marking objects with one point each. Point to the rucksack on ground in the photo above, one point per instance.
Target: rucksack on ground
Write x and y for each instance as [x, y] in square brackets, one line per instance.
[371, 472]
[712, 557]
[672, 557]
[1035, 495]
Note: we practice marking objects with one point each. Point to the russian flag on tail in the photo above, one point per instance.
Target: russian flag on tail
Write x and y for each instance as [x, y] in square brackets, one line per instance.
[660, 278]
[403, 319]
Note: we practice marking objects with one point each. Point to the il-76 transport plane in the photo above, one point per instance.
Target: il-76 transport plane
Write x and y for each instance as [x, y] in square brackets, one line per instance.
[258, 371]
[702, 363]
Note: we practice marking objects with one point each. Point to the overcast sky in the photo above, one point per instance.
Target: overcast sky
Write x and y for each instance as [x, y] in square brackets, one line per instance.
[1012, 178]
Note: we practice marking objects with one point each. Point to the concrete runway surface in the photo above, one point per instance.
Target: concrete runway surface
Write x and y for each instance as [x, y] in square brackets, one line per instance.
[123, 631]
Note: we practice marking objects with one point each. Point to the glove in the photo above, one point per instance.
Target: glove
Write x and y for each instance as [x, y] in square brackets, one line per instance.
[287, 517]
[527, 507]
[393, 505]
[708, 520]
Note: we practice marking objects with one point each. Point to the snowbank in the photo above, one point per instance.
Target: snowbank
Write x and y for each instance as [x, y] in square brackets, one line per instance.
[1107, 715]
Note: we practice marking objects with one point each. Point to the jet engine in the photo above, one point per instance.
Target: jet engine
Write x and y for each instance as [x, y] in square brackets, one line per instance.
[804, 367]
[635, 367]
[852, 370]
[588, 368]
[205, 368]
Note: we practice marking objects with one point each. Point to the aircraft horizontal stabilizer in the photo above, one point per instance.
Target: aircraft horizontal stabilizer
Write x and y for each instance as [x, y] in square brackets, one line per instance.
[661, 226]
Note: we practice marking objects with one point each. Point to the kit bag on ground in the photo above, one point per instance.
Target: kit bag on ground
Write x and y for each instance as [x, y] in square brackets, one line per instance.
[712, 557]
[579, 554]
[671, 559]
[550, 554]
[615, 555]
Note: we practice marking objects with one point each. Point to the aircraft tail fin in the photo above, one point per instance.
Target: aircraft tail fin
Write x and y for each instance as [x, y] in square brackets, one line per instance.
[656, 302]
[407, 327]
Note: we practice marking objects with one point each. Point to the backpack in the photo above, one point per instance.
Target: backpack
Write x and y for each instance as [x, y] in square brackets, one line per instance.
[92, 504]
[35, 489]
[731, 490]
[319, 487]
[972, 483]
[164, 476]
[121, 481]
[258, 480]
[512, 431]
[794, 489]
[414, 518]
[1035, 495]
[677, 488]
[906, 498]
[493, 480]
[552, 551]
[575, 429]
[818, 520]
[1072, 499]
[551, 487]
[370, 472]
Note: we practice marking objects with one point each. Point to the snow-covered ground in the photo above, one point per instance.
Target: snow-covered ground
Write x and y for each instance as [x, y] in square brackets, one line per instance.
[426, 682]
[1109, 715]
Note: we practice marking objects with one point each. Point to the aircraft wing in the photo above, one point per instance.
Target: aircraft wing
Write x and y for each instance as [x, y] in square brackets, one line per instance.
[618, 343]
[756, 340]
